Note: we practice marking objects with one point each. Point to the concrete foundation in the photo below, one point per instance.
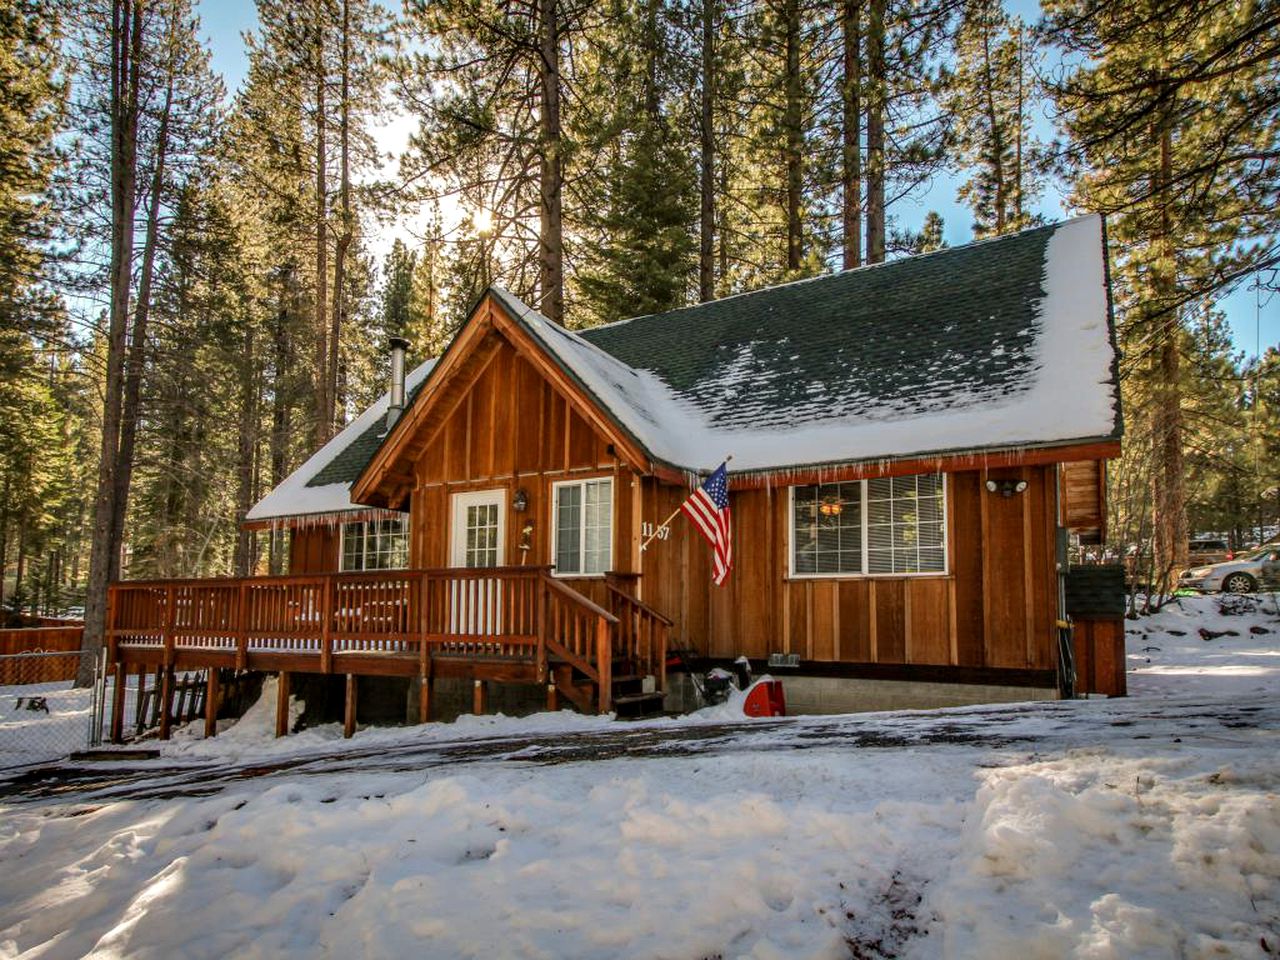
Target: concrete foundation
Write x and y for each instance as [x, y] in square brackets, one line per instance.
[820, 695]
[390, 701]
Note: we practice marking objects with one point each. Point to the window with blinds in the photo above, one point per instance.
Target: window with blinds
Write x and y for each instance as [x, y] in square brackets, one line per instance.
[891, 525]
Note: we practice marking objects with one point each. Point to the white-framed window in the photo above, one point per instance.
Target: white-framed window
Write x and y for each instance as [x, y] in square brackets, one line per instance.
[375, 544]
[582, 527]
[888, 526]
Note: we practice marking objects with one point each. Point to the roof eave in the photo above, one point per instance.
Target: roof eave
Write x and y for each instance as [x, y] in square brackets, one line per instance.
[942, 461]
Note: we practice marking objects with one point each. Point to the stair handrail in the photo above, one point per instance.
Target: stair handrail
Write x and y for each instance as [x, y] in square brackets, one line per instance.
[640, 605]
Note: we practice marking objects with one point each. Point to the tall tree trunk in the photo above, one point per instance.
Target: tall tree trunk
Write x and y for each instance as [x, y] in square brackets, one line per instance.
[142, 309]
[21, 566]
[851, 133]
[126, 50]
[707, 157]
[996, 158]
[348, 227]
[1018, 134]
[4, 542]
[876, 94]
[247, 443]
[794, 121]
[280, 426]
[1168, 490]
[4, 537]
[323, 426]
[550, 236]
[653, 44]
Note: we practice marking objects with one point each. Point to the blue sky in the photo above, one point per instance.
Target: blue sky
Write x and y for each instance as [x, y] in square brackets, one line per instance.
[224, 21]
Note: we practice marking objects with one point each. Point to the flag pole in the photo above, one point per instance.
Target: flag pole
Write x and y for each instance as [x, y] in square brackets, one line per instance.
[674, 513]
[658, 528]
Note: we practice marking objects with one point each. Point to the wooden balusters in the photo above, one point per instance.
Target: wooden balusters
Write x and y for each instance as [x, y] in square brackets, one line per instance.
[170, 616]
[242, 626]
[517, 616]
[326, 623]
[642, 633]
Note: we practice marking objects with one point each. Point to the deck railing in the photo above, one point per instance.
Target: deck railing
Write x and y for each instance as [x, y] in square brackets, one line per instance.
[498, 613]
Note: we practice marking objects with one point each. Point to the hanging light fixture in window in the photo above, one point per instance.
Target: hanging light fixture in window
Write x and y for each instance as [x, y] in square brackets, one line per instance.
[831, 507]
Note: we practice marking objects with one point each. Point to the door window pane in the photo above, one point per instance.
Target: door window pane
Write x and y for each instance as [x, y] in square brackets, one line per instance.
[482, 535]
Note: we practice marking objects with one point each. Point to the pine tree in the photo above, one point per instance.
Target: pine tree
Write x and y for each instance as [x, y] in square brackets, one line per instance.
[488, 85]
[990, 96]
[151, 91]
[638, 254]
[1171, 118]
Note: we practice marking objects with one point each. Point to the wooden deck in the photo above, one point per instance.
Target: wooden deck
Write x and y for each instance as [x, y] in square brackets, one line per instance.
[501, 624]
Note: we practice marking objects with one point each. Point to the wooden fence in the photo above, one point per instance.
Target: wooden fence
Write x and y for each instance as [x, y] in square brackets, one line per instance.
[39, 640]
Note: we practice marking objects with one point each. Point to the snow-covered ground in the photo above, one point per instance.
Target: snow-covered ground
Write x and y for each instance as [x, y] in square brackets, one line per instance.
[42, 721]
[1143, 827]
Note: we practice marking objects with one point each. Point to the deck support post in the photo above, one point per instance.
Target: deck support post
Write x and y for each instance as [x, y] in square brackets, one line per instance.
[282, 703]
[480, 698]
[604, 663]
[166, 702]
[121, 678]
[139, 721]
[349, 714]
[326, 624]
[211, 703]
[424, 698]
[553, 698]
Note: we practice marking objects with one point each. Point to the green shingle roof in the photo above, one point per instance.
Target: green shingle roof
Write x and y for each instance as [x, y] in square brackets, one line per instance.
[919, 335]
[348, 464]
[997, 344]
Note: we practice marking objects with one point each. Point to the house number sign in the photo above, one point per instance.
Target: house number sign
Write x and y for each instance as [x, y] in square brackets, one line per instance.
[651, 531]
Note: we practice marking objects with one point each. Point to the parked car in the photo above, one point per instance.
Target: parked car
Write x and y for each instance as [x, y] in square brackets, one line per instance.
[1242, 575]
[1206, 550]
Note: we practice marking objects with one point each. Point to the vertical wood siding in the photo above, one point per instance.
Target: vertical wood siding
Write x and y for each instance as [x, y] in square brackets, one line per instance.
[511, 429]
[995, 608]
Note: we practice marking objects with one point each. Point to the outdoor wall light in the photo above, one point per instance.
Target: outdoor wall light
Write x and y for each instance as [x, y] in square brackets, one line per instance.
[520, 502]
[1006, 488]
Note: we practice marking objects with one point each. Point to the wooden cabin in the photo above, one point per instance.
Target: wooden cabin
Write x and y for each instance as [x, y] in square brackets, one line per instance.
[912, 445]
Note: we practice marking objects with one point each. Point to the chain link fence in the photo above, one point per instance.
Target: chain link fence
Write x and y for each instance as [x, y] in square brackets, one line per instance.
[43, 715]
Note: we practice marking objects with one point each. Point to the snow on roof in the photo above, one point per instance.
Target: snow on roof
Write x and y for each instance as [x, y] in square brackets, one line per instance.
[1003, 343]
[299, 496]
[1000, 344]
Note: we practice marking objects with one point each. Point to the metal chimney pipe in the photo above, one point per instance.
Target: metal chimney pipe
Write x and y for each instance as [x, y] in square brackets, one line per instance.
[398, 347]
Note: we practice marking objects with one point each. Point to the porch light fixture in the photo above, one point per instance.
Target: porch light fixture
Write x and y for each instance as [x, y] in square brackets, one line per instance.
[1006, 488]
[520, 502]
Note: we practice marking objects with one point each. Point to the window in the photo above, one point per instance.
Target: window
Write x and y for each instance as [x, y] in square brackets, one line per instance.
[375, 544]
[891, 525]
[583, 527]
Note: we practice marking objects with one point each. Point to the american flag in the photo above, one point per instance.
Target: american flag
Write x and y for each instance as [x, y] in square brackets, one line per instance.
[708, 508]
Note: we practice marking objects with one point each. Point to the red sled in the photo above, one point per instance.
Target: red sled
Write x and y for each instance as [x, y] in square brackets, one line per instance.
[765, 699]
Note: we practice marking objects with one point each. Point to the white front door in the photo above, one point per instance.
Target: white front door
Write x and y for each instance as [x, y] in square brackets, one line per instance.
[478, 532]
[478, 539]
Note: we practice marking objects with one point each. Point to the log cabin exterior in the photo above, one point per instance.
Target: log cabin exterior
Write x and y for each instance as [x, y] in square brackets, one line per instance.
[911, 442]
